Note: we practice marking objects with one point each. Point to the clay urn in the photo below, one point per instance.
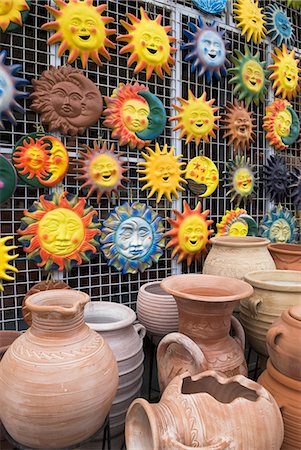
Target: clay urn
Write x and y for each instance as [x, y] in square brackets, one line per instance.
[205, 304]
[206, 412]
[286, 256]
[7, 337]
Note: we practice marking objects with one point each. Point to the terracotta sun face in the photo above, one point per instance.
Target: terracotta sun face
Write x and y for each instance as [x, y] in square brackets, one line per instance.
[202, 176]
[285, 74]
[162, 172]
[250, 19]
[12, 13]
[5, 259]
[238, 126]
[80, 28]
[149, 44]
[196, 118]
[237, 223]
[240, 180]
[279, 225]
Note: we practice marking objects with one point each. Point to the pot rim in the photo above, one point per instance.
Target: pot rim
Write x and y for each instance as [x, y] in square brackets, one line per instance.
[148, 409]
[285, 248]
[143, 288]
[269, 285]
[240, 241]
[287, 382]
[125, 315]
[77, 301]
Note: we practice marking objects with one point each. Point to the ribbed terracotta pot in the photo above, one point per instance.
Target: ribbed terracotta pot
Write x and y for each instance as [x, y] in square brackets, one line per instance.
[156, 309]
[206, 412]
[287, 393]
[59, 378]
[6, 339]
[286, 256]
[274, 291]
[205, 304]
[115, 323]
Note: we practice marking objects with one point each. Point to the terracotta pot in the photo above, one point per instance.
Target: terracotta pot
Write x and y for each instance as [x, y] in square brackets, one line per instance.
[157, 310]
[286, 256]
[287, 393]
[59, 378]
[274, 291]
[205, 304]
[115, 323]
[6, 339]
[206, 412]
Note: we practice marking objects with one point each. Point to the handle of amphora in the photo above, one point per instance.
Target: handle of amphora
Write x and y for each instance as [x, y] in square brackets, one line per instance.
[239, 332]
[219, 444]
[253, 304]
[140, 330]
[177, 354]
[273, 334]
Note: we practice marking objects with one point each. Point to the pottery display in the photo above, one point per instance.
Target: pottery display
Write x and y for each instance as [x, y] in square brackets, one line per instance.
[205, 304]
[206, 411]
[115, 323]
[156, 309]
[286, 256]
[59, 378]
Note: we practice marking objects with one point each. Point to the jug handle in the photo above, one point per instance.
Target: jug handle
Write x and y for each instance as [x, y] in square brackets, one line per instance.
[253, 303]
[140, 330]
[239, 332]
[221, 444]
[272, 335]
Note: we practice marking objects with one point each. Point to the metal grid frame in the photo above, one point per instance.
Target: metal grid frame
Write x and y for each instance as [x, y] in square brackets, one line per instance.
[28, 46]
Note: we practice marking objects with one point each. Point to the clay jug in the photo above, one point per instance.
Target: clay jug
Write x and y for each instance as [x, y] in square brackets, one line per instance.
[206, 412]
[205, 304]
[286, 256]
[59, 378]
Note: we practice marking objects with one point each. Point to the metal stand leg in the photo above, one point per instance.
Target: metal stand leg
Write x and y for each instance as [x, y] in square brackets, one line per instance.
[151, 367]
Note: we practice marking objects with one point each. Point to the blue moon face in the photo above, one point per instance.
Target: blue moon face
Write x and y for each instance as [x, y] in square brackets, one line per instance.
[283, 24]
[211, 49]
[211, 6]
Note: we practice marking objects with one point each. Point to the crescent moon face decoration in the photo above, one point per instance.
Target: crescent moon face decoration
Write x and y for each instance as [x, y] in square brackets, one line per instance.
[8, 179]
[279, 225]
[250, 19]
[280, 28]
[206, 50]
[237, 223]
[202, 176]
[238, 125]
[132, 238]
[285, 73]
[211, 6]
[276, 177]
[156, 117]
[13, 13]
[295, 188]
[5, 259]
[240, 180]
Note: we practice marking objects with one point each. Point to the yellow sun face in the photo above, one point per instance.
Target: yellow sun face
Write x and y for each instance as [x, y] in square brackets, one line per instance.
[5, 258]
[134, 114]
[283, 122]
[285, 73]
[193, 234]
[253, 76]
[243, 181]
[250, 19]
[10, 11]
[104, 171]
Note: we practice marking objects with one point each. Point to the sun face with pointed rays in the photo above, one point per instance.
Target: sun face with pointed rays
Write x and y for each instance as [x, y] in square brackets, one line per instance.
[11, 13]
[80, 28]
[285, 73]
[279, 225]
[250, 19]
[238, 126]
[239, 179]
[237, 223]
[31, 159]
[279, 25]
[149, 44]
[5, 259]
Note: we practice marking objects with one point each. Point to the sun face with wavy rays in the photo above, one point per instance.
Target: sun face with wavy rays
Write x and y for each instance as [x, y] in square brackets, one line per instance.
[238, 125]
[285, 73]
[250, 19]
[11, 13]
[240, 179]
[279, 225]
[80, 27]
[279, 25]
[31, 159]
[237, 222]
[5, 259]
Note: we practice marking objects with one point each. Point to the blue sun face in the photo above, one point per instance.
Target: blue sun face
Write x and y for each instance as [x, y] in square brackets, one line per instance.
[211, 6]
[279, 26]
[279, 225]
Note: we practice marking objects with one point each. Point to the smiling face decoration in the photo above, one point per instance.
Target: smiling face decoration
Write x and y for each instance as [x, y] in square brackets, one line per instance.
[13, 13]
[202, 176]
[149, 44]
[8, 179]
[5, 259]
[237, 223]
[285, 73]
[279, 26]
[279, 225]
[295, 187]
[238, 126]
[211, 6]
[276, 178]
[250, 19]
[207, 50]
[240, 180]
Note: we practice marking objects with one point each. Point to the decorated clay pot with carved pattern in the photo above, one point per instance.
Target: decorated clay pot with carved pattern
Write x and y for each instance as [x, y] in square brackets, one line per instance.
[205, 304]
[59, 378]
[286, 256]
[206, 412]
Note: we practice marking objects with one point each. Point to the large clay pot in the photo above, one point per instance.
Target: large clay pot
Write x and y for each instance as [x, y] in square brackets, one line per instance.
[286, 256]
[274, 291]
[287, 393]
[205, 304]
[156, 309]
[115, 323]
[59, 378]
[206, 412]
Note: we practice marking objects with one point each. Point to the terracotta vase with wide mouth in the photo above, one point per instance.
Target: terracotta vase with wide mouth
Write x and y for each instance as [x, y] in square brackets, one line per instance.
[286, 256]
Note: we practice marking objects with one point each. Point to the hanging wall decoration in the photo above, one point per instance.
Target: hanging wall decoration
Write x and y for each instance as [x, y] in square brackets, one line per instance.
[276, 178]
[59, 231]
[279, 26]
[149, 44]
[8, 179]
[5, 259]
[240, 180]
[9, 94]
[296, 4]
[237, 222]
[211, 6]
[135, 115]
[196, 118]
[13, 13]
[282, 124]
[279, 225]
[41, 160]
[132, 238]
[285, 74]
[250, 19]
[101, 170]
[206, 50]
[189, 233]
[295, 188]
[162, 172]
[202, 176]
[80, 28]
[67, 100]
[238, 125]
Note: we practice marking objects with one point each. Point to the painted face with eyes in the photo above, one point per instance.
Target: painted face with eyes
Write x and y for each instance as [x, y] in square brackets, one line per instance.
[153, 43]
[238, 228]
[253, 76]
[253, 17]
[134, 238]
[242, 124]
[199, 119]
[211, 49]
[283, 122]
[193, 234]
[243, 181]
[288, 73]
[283, 24]
[66, 99]
[58, 162]
[135, 115]
[104, 171]
[280, 231]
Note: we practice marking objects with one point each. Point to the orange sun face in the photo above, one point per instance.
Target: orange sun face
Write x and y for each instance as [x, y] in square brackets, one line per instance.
[32, 159]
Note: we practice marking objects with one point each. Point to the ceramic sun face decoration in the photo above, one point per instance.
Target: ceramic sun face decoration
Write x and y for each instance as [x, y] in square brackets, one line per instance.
[9, 93]
[101, 170]
[67, 100]
[237, 223]
[149, 44]
[206, 50]
[135, 115]
[189, 233]
[132, 238]
[276, 178]
[162, 172]
[59, 231]
[281, 124]
[238, 125]
[80, 28]
[250, 19]
[13, 14]
[249, 77]
[285, 74]
[279, 225]
[195, 118]
[5, 259]
[8, 179]
[40, 159]
[279, 26]
[202, 176]
[211, 6]
[240, 180]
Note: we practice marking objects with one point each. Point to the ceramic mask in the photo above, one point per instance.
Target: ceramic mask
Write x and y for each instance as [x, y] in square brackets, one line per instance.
[237, 223]
[295, 187]
[285, 74]
[67, 100]
[5, 258]
[202, 176]
[240, 179]
[149, 44]
[60, 231]
[13, 14]
[132, 238]
[276, 178]
[250, 19]
[211, 6]
[80, 28]
[279, 225]
[162, 172]
[238, 126]
[8, 179]
[280, 28]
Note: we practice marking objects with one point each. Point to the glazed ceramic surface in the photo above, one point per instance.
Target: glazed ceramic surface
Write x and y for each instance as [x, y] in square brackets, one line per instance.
[286, 256]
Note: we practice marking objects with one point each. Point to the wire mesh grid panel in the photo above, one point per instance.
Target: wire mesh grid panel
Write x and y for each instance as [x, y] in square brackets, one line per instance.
[28, 46]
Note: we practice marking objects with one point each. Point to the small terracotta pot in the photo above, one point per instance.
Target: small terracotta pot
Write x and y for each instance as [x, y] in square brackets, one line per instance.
[6, 339]
[286, 256]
